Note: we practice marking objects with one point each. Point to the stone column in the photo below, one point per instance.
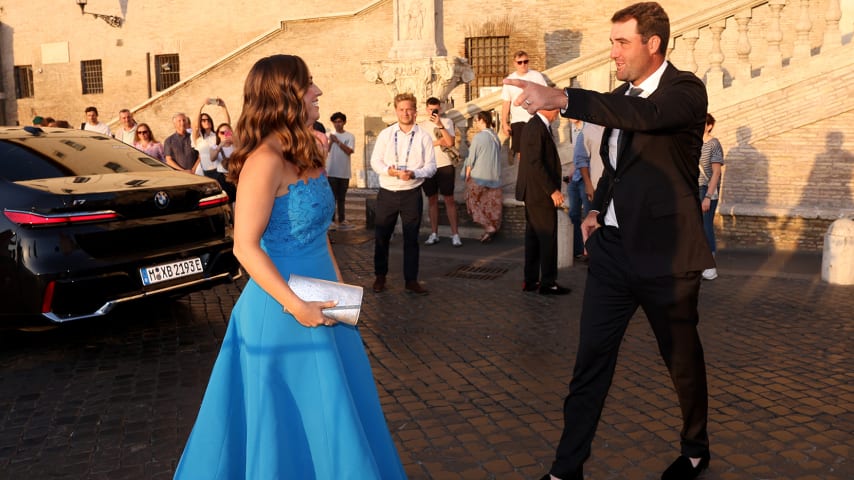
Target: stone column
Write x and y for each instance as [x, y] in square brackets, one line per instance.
[743, 47]
[564, 240]
[837, 260]
[832, 36]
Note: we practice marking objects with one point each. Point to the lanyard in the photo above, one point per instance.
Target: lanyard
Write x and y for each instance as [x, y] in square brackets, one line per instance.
[408, 149]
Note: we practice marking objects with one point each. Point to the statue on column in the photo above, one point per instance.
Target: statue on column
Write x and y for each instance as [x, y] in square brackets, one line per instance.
[414, 19]
[418, 61]
[415, 29]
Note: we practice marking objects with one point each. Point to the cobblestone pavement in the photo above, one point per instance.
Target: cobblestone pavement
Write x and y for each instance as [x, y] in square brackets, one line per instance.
[472, 377]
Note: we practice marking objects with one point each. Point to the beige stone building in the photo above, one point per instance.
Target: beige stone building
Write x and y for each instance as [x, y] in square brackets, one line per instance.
[776, 70]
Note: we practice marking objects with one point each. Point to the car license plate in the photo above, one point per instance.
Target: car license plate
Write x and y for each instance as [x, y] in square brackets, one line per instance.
[171, 271]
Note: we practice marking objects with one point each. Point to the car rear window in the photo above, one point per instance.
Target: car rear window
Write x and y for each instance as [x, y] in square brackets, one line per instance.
[47, 156]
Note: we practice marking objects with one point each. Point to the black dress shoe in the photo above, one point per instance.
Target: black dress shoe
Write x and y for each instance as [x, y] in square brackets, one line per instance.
[379, 284]
[415, 287]
[578, 475]
[554, 289]
[530, 287]
[682, 469]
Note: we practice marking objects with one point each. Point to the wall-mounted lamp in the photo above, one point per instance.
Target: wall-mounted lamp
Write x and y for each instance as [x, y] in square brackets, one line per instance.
[111, 20]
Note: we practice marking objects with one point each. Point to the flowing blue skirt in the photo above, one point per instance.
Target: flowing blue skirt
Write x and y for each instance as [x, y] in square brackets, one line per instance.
[289, 402]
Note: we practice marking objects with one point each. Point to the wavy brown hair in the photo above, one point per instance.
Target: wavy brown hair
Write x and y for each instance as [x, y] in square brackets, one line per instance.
[273, 105]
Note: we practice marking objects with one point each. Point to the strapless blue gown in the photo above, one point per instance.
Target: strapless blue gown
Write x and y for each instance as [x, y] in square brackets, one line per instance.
[285, 401]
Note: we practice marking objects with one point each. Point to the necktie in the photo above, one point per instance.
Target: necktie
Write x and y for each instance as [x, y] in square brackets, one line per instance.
[633, 92]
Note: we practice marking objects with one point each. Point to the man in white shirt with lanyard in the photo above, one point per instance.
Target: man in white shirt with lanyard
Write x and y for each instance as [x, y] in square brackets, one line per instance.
[403, 157]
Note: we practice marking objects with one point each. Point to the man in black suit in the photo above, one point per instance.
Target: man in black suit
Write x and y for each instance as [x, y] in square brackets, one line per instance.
[644, 235]
[538, 185]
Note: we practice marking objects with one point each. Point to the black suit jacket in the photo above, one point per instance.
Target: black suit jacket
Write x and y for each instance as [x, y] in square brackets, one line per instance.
[539, 164]
[654, 187]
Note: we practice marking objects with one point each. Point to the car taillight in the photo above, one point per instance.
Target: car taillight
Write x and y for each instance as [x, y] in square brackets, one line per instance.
[218, 199]
[36, 219]
[47, 299]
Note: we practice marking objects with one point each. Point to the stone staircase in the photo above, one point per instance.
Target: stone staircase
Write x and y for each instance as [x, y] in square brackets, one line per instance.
[776, 74]
[770, 66]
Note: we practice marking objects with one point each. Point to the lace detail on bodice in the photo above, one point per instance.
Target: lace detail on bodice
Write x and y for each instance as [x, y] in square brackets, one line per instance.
[299, 218]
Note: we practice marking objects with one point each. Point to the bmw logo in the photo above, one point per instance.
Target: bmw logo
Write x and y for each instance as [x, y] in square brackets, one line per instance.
[161, 199]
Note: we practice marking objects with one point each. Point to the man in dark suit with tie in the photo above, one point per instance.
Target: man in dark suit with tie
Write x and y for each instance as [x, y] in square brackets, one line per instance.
[538, 185]
[644, 235]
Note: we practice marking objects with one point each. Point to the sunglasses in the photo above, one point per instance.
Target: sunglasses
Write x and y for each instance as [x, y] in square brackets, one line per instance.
[224, 132]
[522, 62]
[206, 119]
[143, 132]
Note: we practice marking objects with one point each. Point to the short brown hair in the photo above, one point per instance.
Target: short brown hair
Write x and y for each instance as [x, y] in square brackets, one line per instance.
[652, 20]
[402, 97]
[520, 53]
[486, 117]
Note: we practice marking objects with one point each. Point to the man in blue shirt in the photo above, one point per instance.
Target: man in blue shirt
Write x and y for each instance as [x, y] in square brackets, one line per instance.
[582, 184]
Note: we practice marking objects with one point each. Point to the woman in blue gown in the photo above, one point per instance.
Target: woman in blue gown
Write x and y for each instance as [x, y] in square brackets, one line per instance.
[291, 395]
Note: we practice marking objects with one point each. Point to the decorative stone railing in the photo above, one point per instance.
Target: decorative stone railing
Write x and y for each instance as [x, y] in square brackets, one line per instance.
[726, 45]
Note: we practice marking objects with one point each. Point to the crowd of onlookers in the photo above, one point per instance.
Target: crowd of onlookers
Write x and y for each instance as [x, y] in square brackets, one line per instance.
[203, 147]
[202, 150]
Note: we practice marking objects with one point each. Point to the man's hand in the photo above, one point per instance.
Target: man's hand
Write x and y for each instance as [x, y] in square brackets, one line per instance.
[557, 198]
[536, 97]
[589, 190]
[589, 225]
[401, 174]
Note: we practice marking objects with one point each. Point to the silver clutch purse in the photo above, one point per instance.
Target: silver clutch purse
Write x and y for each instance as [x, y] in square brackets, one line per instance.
[349, 297]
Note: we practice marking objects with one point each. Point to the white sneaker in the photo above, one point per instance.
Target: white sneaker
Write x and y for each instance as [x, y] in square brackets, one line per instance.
[433, 239]
[710, 273]
[455, 241]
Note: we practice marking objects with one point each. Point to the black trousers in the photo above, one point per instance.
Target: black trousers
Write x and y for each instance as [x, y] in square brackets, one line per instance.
[408, 204]
[339, 188]
[540, 243]
[611, 296]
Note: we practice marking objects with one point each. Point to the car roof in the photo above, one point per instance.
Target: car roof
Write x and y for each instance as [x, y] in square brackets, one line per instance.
[79, 151]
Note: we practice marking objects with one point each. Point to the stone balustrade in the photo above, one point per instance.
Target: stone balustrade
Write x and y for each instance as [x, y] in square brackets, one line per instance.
[726, 45]
[776, 72]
